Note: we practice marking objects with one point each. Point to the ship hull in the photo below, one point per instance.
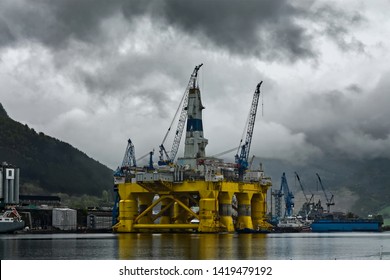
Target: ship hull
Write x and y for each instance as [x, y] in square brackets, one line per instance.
[11, 227]
[345, 226]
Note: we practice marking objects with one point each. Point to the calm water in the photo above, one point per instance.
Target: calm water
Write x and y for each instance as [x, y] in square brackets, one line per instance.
[296, 246]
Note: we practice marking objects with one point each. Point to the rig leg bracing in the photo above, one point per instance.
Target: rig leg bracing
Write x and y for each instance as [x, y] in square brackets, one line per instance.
[191, 205]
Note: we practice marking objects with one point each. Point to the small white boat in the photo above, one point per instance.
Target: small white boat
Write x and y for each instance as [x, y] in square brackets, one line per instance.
[11, 221]
[292, 224]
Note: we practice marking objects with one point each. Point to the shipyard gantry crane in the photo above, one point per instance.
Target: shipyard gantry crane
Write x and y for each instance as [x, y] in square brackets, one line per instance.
[277, 195]
[288, 200]
[242, 159]
[169, 158]
[288, 197]
[303, 190]
[308, 204]
[329, 201]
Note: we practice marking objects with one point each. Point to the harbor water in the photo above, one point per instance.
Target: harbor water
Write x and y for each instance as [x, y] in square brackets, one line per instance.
[170, 246]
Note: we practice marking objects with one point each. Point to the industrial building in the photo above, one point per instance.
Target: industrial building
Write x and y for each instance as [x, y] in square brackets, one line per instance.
[45, 212]
[9, 185]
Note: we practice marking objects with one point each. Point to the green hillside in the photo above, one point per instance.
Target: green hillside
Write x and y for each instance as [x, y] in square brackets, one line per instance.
[48, 164]
[372, 182]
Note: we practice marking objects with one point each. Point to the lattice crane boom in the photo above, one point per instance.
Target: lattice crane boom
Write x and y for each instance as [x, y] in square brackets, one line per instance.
[303, 191]
[128, 160]
[181, 123]
[329, 201]
[242, 159]
[288, 197]
[129, 157]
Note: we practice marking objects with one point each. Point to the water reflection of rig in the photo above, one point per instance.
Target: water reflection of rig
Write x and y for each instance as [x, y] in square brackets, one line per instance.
[196, 192]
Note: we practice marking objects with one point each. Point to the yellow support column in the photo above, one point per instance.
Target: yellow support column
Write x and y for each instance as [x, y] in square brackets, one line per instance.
[259, 212]
[208, 210]
[244, 219]
[128, 211]
[225, 210]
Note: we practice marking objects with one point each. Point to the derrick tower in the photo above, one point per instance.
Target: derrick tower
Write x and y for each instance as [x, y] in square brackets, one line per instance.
[195, 143]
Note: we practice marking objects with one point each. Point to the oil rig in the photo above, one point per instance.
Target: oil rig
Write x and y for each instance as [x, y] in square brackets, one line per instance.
[195, 192]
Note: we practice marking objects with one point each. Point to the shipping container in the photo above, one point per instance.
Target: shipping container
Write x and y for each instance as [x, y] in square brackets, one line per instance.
[65, 218]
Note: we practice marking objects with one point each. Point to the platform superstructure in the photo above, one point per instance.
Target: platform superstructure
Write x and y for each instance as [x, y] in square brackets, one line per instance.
[195, 192]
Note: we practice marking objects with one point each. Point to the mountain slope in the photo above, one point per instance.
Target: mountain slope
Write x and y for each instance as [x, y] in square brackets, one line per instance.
[362, 187]
[48, 163]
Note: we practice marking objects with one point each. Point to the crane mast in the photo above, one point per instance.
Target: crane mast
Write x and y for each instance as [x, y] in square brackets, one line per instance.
[308, 206]
[288, 197]
[242, 159]
[150, 154]
[330, 201]
[128, 159]
[303, 191]
[181, 123]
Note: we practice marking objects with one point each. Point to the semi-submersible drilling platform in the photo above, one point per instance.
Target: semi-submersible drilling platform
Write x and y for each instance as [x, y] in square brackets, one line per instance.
[195, 193]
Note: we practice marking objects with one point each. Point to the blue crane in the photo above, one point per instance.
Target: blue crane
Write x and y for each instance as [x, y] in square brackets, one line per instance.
[150, 164]
[127, 162]
[288, 197]
[242, 159]
[128, 159]
[169, 158]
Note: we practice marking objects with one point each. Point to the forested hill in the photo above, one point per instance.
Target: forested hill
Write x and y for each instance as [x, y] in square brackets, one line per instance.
[50, 165]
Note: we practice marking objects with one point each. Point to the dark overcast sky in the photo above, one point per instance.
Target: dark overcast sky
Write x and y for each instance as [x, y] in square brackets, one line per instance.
[95, 73]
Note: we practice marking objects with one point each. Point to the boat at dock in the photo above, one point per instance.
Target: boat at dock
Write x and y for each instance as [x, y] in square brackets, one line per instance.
[11, 221]
[292, 224]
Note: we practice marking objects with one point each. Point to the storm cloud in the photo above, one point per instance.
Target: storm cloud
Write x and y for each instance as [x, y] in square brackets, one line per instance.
[265, 29]
[95, 73]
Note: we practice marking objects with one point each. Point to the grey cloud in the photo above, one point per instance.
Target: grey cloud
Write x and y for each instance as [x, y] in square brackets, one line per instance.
[53, 23]
[264, 29]
[272, 30]
[336, 23]
[269, 30]
[354, 88]
[5, 33]
[353, 122]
